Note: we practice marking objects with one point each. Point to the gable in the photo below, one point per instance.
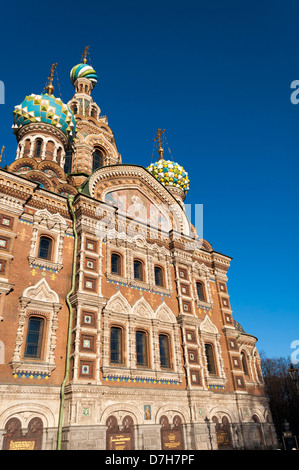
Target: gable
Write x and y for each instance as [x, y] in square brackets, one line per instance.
[136, 194]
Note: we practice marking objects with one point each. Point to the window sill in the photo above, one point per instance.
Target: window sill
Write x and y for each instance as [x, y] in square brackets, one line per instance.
[202, 303]
[139, 374]
[135, 283]
[32, 367]
[44, 264]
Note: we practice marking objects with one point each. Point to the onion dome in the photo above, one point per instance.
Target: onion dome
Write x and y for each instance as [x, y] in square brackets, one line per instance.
[46, 109]
[170, 174]
[84, 71]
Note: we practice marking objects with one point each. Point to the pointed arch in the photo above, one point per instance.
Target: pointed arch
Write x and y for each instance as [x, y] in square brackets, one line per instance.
[118, 304]
[164, 313]
[207, 326]
[41, 292]
[142, 309]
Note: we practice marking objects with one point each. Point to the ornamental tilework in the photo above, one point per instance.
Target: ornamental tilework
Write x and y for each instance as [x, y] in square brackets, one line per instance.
[46, 109]
[111, 378]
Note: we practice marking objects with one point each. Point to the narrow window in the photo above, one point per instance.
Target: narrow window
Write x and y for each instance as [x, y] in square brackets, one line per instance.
[164, 351]
[158, 276]
[116, 345]
[210, 359]
[45, 248]
[38, 147]
[68, 161]
[244, 363]
[115, 264]
[97, 159]
[200, 291]
[138, 272]
[34, 337]
[93, 112]
[141, 349]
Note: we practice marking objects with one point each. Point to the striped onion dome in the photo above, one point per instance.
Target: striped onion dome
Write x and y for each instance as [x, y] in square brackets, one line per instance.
[84, 71]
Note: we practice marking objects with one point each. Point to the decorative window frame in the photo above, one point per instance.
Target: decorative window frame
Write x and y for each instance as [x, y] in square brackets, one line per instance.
[54, 226]
[201, 273]
[209, 334]
[38, 300]
[141, 316]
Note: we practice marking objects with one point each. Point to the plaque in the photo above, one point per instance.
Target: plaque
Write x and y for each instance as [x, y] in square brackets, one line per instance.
[171, 437]
[15, 439]
[172, 440]
[22, 444]
[120, 439]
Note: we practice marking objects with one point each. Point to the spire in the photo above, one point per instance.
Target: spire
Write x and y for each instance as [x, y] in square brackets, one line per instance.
[50, 87]
[159, 140]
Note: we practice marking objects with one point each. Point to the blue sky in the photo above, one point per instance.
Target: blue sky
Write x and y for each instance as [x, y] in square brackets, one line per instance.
[216, 75]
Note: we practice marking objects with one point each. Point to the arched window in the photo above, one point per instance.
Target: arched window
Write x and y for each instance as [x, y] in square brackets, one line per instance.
[116, 345]
[210, 358]
[34, 337]
[97, 159]
[38, 148]
[138, 271]
[158, 276]
[200, 291]
[68, 161]
[164, 352]
[116, 264]
[45, 248]
[141, 348]
[244, 363]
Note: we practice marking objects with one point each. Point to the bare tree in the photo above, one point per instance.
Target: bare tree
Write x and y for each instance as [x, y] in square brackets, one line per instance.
[282, 393]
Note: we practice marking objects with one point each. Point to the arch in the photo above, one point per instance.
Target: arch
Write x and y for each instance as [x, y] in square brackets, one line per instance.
[41, 291]
[207, 326]
[25, 412]
[53, 166]
[118, 304]
[122, 409]
[133, 174]
[221, 412]
[170, 412]
[142, 309]
[23, 162]
[163, 313]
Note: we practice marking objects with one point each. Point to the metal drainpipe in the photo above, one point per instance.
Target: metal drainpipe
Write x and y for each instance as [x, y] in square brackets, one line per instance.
[70, 200]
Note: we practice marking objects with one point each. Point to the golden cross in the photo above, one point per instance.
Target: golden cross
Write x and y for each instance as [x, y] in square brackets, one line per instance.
[159, 140]
[1, 153]
[50, 87]
[84, 60]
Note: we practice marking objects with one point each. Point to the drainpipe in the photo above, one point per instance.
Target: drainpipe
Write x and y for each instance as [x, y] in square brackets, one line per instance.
[70, 200]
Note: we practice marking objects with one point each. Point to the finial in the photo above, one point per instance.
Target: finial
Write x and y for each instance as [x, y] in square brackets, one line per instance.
[84, 60]
[50, 87]
[159, 140]
[2, 150]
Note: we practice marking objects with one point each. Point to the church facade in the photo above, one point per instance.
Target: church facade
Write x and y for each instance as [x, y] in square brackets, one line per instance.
[116, 327]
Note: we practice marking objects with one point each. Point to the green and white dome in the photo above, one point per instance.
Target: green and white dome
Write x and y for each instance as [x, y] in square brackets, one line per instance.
[170, 174]
[84, 71]
[46, 109]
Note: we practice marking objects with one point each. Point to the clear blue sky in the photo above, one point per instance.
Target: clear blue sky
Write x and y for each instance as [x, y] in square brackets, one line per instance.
[216, 75]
